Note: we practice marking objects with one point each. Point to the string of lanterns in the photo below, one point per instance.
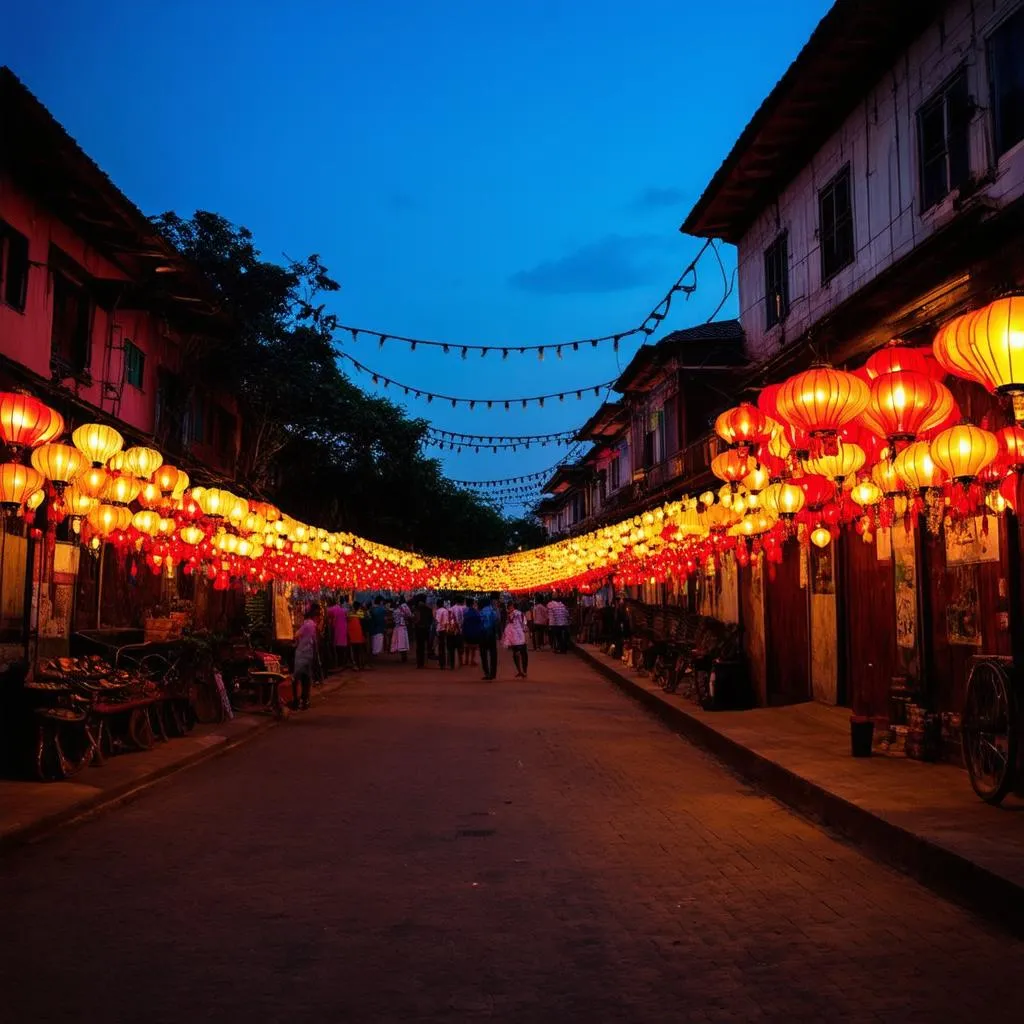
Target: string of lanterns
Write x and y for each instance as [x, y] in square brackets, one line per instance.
[541, 474]
[685, 283]
[456, 441]
[823, 450]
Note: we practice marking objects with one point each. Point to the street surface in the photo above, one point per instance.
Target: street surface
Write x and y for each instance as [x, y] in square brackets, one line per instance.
[425, 846]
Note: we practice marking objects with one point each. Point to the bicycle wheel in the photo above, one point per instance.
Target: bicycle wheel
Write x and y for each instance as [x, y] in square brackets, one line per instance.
[153, 667]
[989, 731]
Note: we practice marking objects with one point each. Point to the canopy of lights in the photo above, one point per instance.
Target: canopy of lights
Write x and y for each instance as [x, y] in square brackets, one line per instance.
[825, 450]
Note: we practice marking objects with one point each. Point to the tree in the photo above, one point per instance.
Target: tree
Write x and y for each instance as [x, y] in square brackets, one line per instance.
[312, 441]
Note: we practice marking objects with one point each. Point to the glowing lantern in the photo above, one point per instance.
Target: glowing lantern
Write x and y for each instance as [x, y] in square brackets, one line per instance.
[753, 523]
[847, 461]
[954, 350]
[820, 537]
[121, 489]
[916, 467]
[108, 519]
[93, 481]
[149, 496]
[59, 463]
[34, 500]
[192, 535]
[905, 404]
[98, 442]
[17, 482]
[997, 340]
[731, 466]
[964, 451]
[167, 479]
[896, 356]
[743, 426]
[238, 510]
[142, 462]
[817, 490]
[146, 522]
[784, 499]
[213, 501]
[77, 501]
[1011, 444]
[757, 479]
[821, 401]
[54, 427]
[24, 421]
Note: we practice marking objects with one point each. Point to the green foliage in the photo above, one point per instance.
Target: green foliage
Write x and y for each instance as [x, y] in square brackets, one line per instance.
[313, 442]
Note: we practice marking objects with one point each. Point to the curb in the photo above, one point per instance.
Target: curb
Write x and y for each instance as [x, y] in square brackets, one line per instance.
[947, 873]
[41, 828]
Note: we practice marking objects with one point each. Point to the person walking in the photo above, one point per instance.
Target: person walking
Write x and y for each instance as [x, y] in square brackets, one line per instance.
[442, 622]
[400, 636]
[456, 638]
[540, 624]
[378, 623]
[357, 636]
[490, 622]
[558, 624]
[514, 638]
[470, 632]
[423, 616]
[305, 658]
[337, 628]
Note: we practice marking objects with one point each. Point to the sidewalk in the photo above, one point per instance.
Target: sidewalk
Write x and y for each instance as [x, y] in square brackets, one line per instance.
[29, 810]
[921, 818]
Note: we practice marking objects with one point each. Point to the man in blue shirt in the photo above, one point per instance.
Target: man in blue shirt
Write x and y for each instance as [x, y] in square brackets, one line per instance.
[490, 622]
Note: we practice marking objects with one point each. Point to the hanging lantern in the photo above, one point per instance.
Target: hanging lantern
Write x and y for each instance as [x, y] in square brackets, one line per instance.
[847, 461]
[109, 519]
[77, 502]
[98, 442]
[142, 462]
[54, 426]
[783, 499]
[167, 479]
[820, 537]
[742, 427]
[93, 481]
[997, 340]
[192, 535]
[964, 451]
[146, 521]
[916, 467]
[753, 524]
[214, 502]
[817, 490]
[17, 482]
[821, 401]
[24, 421]
[906, 404]
[149, 496]
[59, 463]
[731, 466]
[121, 489]
[1011, 444]
[866, 493]
[34, 500]
[896, 356]
[888, 480]
[954, 350]
[238, 510]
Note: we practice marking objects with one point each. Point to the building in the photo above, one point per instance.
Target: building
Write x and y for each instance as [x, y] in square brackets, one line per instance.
[876, 193]
[98, 317]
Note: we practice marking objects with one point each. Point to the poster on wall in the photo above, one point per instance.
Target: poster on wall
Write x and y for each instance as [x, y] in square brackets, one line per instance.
[967, 542]
[963, 608]
[823, 570]
[883, 544]
[905, 561]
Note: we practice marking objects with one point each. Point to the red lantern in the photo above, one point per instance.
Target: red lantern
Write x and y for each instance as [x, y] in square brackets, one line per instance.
[896, 356]
[817, 490]
[906, 404]
[742, 426]
[25, 422]
[821, 401]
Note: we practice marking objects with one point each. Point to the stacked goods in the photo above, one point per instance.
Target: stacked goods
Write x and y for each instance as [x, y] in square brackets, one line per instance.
[923, 733]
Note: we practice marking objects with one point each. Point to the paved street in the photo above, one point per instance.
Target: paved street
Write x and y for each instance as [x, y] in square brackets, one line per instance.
[428, 847]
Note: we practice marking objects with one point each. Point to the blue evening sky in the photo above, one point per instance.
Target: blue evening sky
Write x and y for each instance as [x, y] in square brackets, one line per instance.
[470, 170]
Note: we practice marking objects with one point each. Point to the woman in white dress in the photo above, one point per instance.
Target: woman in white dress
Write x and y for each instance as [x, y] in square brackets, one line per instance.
[514, 638]
[400, 636]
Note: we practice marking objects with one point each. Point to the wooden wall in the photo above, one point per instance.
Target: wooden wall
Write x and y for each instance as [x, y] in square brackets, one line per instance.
[787, 631]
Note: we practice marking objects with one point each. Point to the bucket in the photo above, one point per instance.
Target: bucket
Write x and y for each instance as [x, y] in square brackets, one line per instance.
[862, 732]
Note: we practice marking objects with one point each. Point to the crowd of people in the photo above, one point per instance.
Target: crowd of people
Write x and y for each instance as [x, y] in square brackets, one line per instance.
[451, 634]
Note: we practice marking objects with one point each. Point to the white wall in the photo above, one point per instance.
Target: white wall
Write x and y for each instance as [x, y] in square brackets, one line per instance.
[879, 139]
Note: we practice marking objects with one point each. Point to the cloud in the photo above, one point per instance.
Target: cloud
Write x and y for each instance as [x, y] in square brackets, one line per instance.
[655, 198]
[611, 264]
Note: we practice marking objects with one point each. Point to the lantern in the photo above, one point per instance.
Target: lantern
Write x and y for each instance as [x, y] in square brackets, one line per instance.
[34, 500]
[866, 493]
[54, 427]
[954, 350]
[192, 535]
[238, 510]
[149, 496]
[916, 468]
[142, 462]
[1011, 444]
[964, 451]
[214, 502]
[108, 519]
[896, 356]
[757, 479]
[731, 466]
[146, 521]
[121, 489]
[93, 481]
[906, 403]
[743, 426]
[997, 341]
[847, 460]
[24, 421]
[77, 501]
[784, 499]
[822, 400]
[17, 482]
[98, 442]
[59, 463]
[820, 537]
[167, 478]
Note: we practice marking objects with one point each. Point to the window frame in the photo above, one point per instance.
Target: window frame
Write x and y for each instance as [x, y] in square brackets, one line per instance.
[64, 279]
[826, 191]
[999, 147]
[954, 177]
[776, 312]
[8, 234]
[129, 348]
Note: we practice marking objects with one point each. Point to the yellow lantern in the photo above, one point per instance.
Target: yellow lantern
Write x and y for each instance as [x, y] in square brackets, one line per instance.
[34, 500]
[964, 451]
[848, 459]
[757, 479]
[108, 519]
[866, 493]
[916, 467]
[820, 537]
[238, 510]
[192, 535]
[17, 483]
[888, 480]
[76, 501]
[954, 351]
[146, 521]
[121, 489]
[997, 343]
[98, 442]
[213, 501]
[783, 499]
[59, 463]
[142, 462]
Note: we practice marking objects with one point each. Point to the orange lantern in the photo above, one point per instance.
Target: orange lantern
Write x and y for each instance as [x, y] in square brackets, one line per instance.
[25, 421]
[142, 462]
[888, 481]
[731, 466]
[192, 535]
[997, 341]
[821, 401]
[77, 502]
[149, 496]
[121, 489]
[866, 493]
[954, 351]
[964, 451]
[916, 467]
[168, 478]
[896, 356]
[743, 426]
[17, 483]
[98, 442]
[147, 521]
[59, 463]
[108, 519]
[54, 428]
[93, 481]
[820, 537]
[906, 403]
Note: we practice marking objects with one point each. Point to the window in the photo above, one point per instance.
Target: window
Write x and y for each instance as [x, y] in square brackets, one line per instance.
[835, 220]
[71, 332]
[13, 267]
[134, 364]
[776, 280]
[1006, 77]
[654, 439]
[615, 473]
[942, 141]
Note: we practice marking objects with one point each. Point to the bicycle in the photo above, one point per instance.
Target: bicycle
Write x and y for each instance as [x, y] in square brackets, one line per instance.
[991, 728]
